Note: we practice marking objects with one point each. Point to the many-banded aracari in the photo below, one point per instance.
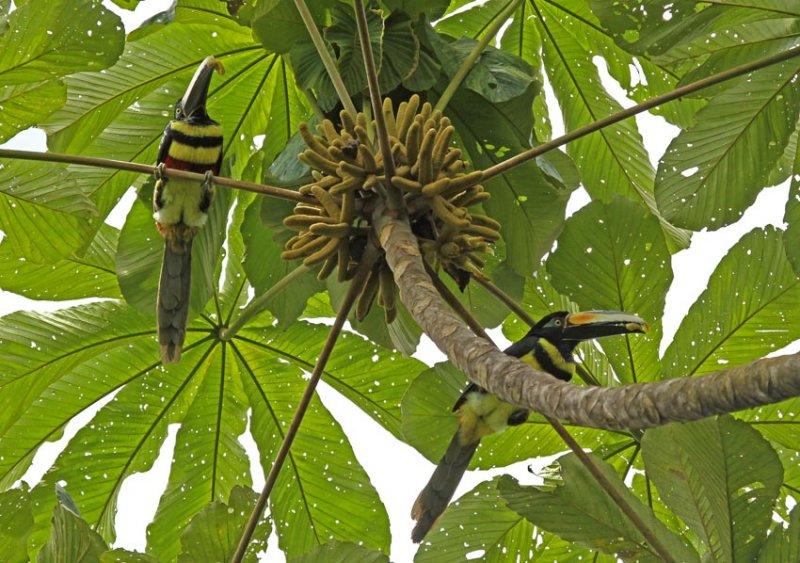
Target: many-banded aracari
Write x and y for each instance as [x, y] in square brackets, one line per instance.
[548, 346]
[192, 141]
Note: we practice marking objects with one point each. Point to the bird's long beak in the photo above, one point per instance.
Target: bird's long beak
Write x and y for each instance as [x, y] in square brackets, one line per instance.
[194, 99]
[586, 325]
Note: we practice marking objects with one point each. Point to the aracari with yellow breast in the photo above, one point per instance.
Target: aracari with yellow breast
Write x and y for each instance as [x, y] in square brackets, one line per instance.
[548, 346]
[192, 141]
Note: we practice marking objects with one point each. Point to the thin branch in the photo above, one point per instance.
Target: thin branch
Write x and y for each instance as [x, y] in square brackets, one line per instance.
[272, 191]
[632, 406]
[356, 285]
[394, 198]
[623, 504]
[506, 299]
[259, 303]
[522, 157]
[468, 63]
[455, 304]
[325, 56]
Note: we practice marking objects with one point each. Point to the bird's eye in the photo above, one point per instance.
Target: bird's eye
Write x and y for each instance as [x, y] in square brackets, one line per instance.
[557, 322]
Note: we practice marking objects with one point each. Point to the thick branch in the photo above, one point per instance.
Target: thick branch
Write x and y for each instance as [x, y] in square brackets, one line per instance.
[640, 405]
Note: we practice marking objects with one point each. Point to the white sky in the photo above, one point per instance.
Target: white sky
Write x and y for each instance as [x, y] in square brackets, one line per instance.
[397, 471]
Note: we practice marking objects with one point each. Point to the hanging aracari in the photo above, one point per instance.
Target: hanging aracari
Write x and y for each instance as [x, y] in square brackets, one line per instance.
[192, 141]
[548, 346]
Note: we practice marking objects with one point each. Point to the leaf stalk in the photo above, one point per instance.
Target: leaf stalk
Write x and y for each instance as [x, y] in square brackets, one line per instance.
[356, 285]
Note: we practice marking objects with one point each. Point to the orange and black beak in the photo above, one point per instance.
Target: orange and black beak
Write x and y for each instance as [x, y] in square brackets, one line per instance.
[586, 325]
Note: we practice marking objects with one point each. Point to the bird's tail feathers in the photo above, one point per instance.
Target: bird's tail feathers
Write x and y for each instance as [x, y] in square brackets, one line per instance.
[173, 299]
[434, 498]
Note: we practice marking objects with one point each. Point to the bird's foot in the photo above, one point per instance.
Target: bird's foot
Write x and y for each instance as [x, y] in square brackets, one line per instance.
[160, 171]
[208, 180]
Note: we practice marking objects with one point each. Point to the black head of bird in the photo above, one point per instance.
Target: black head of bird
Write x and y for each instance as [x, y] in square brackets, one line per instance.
[192, 105]
[566, 330]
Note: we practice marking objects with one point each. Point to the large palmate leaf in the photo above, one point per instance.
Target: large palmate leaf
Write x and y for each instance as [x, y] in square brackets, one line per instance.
[43, 211]
[263, 236]
[743, 313]
[16, 523]
[73, 277]
[612, 161]
[783, 544]
[714, 170]
[572, 506]
[25, 105]
[721, 477]
[614, 257]
[480, 523]
[323, 494]
[58, 40]
[80, 351]
[213, 534]
[700, 38]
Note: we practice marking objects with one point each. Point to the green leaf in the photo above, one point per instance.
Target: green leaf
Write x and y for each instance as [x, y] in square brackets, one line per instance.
[612, 161]
[47, 40]
[38, 200]
[209, 461]
[744, 312]
[343, 36]
[496, 75]
[16, 523]
[432, 8]
[125, 556]
[791, 236]
[278, 25]
[341, 552]
[399, 53]
[527, 204]
[480, 524]
[374, 379]
[776, 422]
[72, 539]
[614, 257]
[213, 535]
[26, 105]
[75, 277]
[721, 477]
[322, 494]
[714, 170]
[575, 508]
[264, 265]
[783, 544]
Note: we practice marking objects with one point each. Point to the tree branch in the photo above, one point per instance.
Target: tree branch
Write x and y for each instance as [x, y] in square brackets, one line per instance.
[272, 191]
[690, 88]
[634, 406]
